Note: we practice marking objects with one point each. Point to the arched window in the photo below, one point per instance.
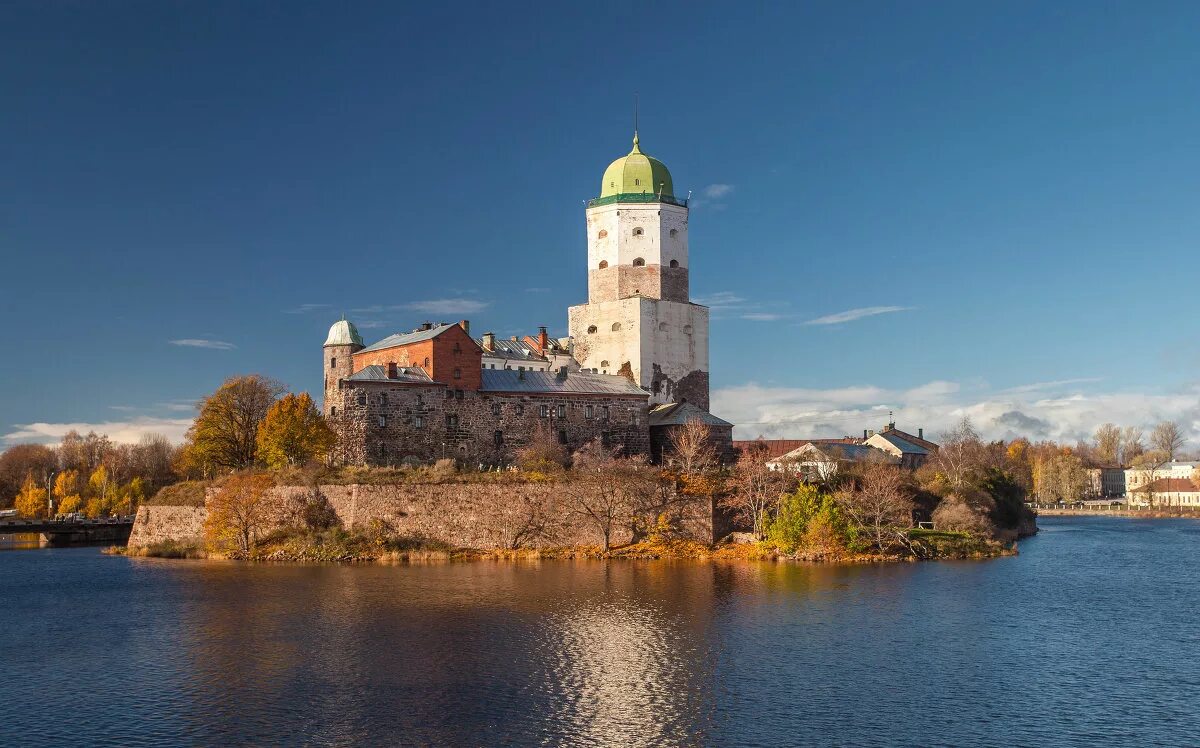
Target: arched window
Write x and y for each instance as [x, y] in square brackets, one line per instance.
[604, 364]
[333, 363]
[603, 264]
[637, 182]
[673, 233]
[638, 231]
[674, 263]
[591, 328]
[662, 326]
[427, 362]
[687, 329]
[616, 326]
[458, 373]
[603, 233]
[638, 262]
[333, 412]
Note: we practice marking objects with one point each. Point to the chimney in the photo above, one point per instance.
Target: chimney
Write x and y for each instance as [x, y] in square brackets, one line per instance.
[465, 324]
[543, 340]
[864, 433]
[391, 370]
[513, 338]
[521, 373]
[920, 433]
[425, 326]
[489, 341]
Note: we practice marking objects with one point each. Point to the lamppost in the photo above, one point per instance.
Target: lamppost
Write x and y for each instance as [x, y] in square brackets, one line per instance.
[50, 494]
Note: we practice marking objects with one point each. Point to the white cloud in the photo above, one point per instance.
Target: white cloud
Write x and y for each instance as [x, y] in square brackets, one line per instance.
[717, 191]
[306, 308]
[1038, 386]
[446, 306]
[216, 345]
[852, 314]
[793, 412]
[129, 432]
[537, 289]
[763, 316]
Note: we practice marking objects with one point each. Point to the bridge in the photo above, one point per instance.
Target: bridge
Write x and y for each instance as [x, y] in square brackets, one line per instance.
[70, 532]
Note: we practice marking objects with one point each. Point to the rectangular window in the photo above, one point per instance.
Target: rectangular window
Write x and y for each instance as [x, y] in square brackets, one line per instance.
[604, 412]
[520, 409]
[449, 394]
[333, 363]
[451, 420]
[545, 411]
[458, 394]
[382, 421]
[562, 411]
[419, 422]
[588, 411]
[498, 439]
[562, 436]
[495, 409]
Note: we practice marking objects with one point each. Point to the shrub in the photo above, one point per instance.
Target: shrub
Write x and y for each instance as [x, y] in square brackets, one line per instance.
[956, 514]
[810, 521]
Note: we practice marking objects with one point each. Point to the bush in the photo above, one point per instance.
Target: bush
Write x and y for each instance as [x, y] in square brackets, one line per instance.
[956, 514]
[809, 521]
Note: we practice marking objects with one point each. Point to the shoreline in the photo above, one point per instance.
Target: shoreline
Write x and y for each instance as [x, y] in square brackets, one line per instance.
[1128, 513]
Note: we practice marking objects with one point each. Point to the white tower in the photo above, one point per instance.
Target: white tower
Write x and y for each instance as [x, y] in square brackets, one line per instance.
[638, 321]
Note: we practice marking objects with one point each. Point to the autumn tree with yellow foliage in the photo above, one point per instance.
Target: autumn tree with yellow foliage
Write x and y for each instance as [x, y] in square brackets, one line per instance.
[240, 513]
[32, 500]
[225, 433]
[293, 433]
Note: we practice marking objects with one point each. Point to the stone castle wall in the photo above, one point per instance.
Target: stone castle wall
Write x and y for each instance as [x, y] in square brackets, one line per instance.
[464, 515]
[385, 423]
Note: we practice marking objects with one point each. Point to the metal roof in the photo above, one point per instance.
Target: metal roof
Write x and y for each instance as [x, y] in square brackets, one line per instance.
[511, 349]
[378, 373]
[343, 332]
[579, 383]
[902, 444]
[851, 452]
[406, 338]
[679, 414]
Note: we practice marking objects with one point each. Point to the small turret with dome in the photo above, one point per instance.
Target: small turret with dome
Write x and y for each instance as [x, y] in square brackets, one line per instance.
[340, 346]
[637, 175]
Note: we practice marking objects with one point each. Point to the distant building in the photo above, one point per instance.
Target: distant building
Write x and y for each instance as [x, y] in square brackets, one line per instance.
[907, 450]
[540, 353]
[668, 419]
[909, 454]
[1182, 492]
[822, 461]
[1136, 477]
[1106, 482]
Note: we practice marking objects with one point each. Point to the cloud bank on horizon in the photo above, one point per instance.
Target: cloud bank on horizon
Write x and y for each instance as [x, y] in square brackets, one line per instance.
[1062, 411]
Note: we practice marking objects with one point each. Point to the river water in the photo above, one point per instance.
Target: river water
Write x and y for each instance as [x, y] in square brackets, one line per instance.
[1088, 637]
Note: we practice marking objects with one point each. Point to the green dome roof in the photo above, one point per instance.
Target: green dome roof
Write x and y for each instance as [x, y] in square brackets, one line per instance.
[343, 332]
[637, 173]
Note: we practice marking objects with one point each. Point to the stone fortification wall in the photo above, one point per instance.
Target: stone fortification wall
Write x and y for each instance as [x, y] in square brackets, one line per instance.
[160, 524]
[464, 515]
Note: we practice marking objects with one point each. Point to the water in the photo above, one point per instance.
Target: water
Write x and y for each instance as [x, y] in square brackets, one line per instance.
[1087, 638]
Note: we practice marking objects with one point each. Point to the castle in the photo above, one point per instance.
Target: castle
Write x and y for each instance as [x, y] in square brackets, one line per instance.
[633, 368]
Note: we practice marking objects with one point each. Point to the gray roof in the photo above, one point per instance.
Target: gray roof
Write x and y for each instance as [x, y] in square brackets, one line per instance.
[343, 332]
[405, 338]
[378, 373]
[851, 452]
[678, 414]
[579, 383]
[903, 444]
[512, 349]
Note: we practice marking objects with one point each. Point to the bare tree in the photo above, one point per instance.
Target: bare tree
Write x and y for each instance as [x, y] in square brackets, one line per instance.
[1151, 463]
[1167, 438]
[692, 451]
[1108, 444]
[1131, 444]
[754, 489]
[523, 521]
[599, 493]
[543, 453]
[959, 456]
[881, 504]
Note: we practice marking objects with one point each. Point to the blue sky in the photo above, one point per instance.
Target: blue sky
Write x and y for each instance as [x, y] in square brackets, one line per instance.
[933, 208]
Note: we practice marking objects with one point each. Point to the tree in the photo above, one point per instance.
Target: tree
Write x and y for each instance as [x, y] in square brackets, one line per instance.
[599, 494]
[810, 520]
[70, 504]
[19, 462]
[241, 512]
[1131, 444]
[754, 489]
[1062, 479]
[68, 492]
[225, 433]
[1151, 463]
[293, 433]
[32, 500]
[959, 458]
[543, 453]
[692, 450]
[1108, 444]
[880, 504]
[1167, 438]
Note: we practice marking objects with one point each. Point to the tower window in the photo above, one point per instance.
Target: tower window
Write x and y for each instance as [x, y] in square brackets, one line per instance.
[637, 182]
[333, 363]
[604, 364]
[591, 328]
[673, 233]
[638, 231]
[603, 264]
[687, 329]
[674, 263]
[616, 326]
[638, 262]
[603, 233]
[333, 412]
